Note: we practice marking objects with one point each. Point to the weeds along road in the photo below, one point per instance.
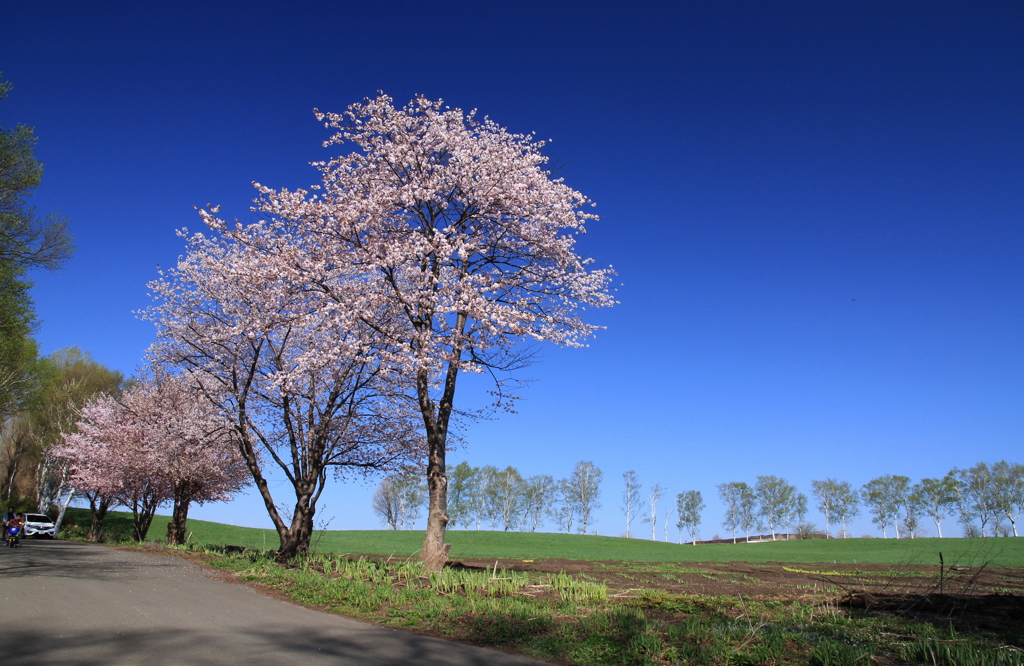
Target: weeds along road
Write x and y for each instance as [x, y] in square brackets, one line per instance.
[76, 603]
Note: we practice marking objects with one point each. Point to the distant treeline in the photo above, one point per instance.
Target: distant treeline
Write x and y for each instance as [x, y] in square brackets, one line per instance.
[985, 499]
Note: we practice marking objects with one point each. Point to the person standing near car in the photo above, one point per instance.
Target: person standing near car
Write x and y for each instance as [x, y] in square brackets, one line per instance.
[9, 516]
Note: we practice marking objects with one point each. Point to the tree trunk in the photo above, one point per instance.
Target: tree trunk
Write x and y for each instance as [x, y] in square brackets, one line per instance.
[142, 516]
[435, 550]
[293, 539]
[296, 538]
[63, 509]
[98, 508]
[179, 515]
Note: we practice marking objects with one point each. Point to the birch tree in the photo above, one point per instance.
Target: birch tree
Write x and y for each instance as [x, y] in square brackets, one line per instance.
[740, 507]
[976, 496]
[398, 499]
[387, 504]
[653, 497]
[506, 495]
[777, 501]
[564, 511]
[830, 494]
[583, 491]
[847, 505]
[482, 507]
[936, 498]
[1008, 490]
[461, 490]
[630, 499]
[539, 492]
[689, 504]
[885, 497]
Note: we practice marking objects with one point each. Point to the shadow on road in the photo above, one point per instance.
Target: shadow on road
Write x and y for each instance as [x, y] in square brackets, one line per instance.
[192, 647]
[78, 603]
[69, 559]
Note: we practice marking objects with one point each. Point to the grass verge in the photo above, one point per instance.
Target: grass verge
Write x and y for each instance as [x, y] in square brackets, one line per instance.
[568, 619]
[1008, 552]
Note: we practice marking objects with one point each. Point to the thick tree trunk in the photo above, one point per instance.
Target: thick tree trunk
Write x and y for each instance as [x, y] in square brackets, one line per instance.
[295, 539]
[435, 550]
[179, 515]
[97, 512]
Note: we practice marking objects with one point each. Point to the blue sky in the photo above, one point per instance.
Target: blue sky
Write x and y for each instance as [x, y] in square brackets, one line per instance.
[815, 209]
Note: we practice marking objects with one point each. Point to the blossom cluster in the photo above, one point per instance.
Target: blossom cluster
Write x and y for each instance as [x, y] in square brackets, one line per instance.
[156, 438]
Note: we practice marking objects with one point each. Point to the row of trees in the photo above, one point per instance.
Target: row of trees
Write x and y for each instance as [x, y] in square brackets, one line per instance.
[156, 442]
[986, 499]
[500, 498]
[58, 386]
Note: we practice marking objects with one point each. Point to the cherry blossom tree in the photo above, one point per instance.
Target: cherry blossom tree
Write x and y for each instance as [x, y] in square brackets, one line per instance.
[110, 456]
[452, 226]
[306, 390]
[159, 440]
[196, 445]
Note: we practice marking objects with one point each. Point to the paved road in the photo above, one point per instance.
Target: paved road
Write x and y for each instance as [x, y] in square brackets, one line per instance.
[74, 603]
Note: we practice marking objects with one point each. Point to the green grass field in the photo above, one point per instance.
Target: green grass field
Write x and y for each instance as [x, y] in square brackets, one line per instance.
[529, 545]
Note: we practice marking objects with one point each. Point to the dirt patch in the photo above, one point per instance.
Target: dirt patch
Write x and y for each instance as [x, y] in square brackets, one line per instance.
[779, 580]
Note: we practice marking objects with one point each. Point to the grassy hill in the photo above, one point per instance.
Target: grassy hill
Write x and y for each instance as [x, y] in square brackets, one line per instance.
[529, 545]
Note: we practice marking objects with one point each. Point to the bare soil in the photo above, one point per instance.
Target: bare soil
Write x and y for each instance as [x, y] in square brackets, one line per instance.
[990, 595]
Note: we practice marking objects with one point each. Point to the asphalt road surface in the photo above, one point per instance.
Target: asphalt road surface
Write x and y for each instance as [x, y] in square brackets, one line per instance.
[75, 603]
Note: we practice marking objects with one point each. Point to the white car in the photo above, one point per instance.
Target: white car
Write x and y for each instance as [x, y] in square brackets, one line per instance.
[38, 525]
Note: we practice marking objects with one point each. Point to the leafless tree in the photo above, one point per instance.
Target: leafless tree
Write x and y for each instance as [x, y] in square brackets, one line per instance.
[630, 499]
[653, 497]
